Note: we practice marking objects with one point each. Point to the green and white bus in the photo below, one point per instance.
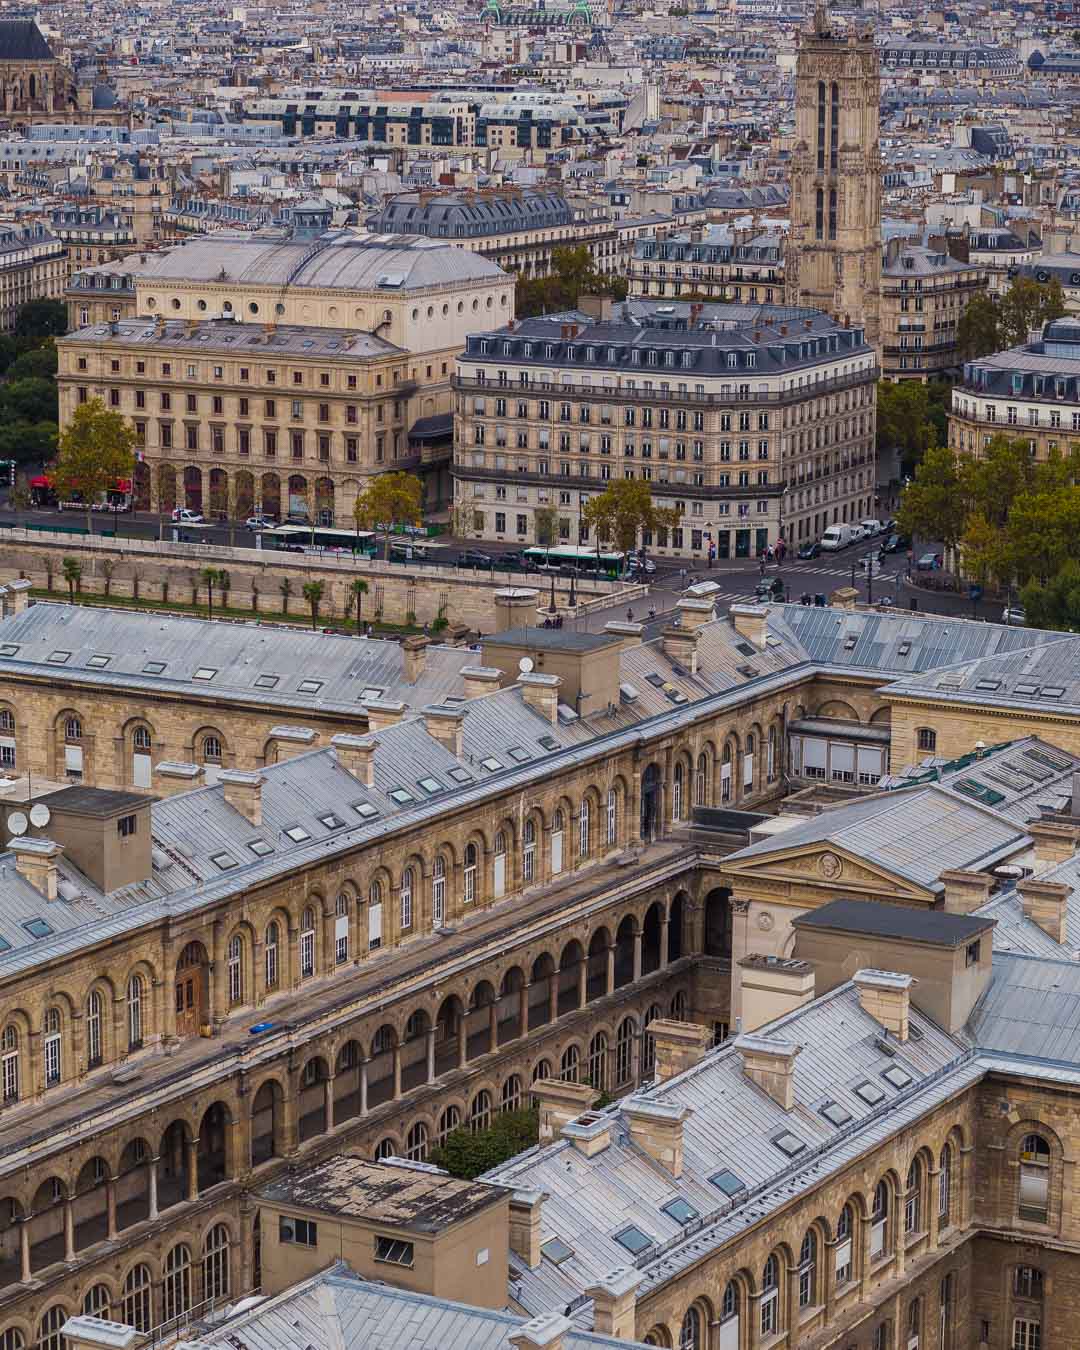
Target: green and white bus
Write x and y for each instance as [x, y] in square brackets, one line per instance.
[304, 538]
[581, 557]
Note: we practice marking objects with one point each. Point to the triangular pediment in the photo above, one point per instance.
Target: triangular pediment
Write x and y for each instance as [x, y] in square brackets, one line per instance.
[824, 866]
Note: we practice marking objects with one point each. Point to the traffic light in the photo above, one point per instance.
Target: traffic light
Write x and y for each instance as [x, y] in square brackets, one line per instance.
[7, 473]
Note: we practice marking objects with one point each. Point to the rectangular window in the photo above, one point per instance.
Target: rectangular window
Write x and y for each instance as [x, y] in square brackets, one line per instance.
[303, 1232]
[125, 826]
[393, 1251]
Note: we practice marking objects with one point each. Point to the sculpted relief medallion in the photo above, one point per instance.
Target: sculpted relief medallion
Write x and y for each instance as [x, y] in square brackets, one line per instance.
[830, 866]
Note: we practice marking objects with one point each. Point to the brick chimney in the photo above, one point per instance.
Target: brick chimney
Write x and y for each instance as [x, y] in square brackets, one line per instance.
[243, 791]
[445, 725]
[681, 646]
[886, 996]
[541, 692]
[560, 1101]
[36, 860]
[480, 680]
[694, 613]
[1055, 840]
[1047, 904]
[770, 1065]
[751, 622]
[844, 597]
[629, 633]
[414, 650]
[614, 1299]
[382, 713]
[590, 1133]
[357, 755]
[526, 1218]
[965, 891]
[678, 1045]
[18, 595]
[657, 1129]
[546, 1332]
[773, 986]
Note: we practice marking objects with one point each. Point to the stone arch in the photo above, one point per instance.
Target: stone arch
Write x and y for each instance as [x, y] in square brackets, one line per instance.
[837, 708]
[677, 920]
[596, 979]
[100, 1041]
[718, 922]
[511, 991]
[615, 800]
[215, 1128]
[209, 747]
[543, 979]
[192, 989]
[729, 770]
[881, 717]
[193, 487]
[71, 745]
[651, 801]
[90, 1205]
[590, 826]
[702, 778]
[324, 501]
[134, 1181]
[571, 961]
[651, 929]
[267, 1121]
[219, 493]
[682, 786]
[244, 493]
[480, 1020]
[350, 1081]
[626, 944]
[166, 487]
[240, 977]
[270, 496]
[752, 761]
[450, 1030]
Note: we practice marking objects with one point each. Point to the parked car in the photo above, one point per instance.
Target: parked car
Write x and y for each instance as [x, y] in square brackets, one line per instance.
[929, 562]
[259, 523]
[636, 564]
[1014, 615]
[507, 561]
[810, 551]
[896, 543]
[473, 558]
[298, 518]
[182, 514]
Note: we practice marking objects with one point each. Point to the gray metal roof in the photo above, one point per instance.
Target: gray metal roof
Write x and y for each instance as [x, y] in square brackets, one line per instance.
[1043, 675]
[1030, 1009]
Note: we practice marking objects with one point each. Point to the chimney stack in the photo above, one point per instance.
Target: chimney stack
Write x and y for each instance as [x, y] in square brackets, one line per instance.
[383, 713]
[770, 1065]
[560, 1102]
[693, 614]
[886, 996]
[1055, 840]
[656, 1128]
[526, 1217]
[480, 680]
[1047, 904]
[965, 891]
[546, 1332]
[614, 1299]
[445, 725]
[97, 1333]
[36, 860]
[772, 986]
[677, 1045]
[751, 622]
[414, 650]
[243, 791]
[628, 633]
[681, 646]
[357, 755]
[541, 692]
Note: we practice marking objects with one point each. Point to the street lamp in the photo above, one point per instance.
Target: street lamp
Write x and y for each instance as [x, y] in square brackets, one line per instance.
[552, 608]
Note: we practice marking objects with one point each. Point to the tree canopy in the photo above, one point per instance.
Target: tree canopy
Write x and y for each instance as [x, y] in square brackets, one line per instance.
[467, 1153]
[388, 501]
[988, 325]
[623, 510]
[572, 275]
[96, 448]
[39, 319]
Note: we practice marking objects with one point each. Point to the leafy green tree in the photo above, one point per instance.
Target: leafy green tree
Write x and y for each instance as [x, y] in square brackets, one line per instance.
[72, 573]
[933, 505]
[623, 510]
[984, 550]
[1054, 603]
[212, 576]
[286, 590]
[31, 398]
[467, 1153]
[313, 594]
[355, 595]
[903, 420]
[977, 331]
[1027, 305]
[96, 448]
[41, 319]
[389, 500]
[38, 363]
[991, 483]
[1044, 532]
[571, 276]
[27, 442]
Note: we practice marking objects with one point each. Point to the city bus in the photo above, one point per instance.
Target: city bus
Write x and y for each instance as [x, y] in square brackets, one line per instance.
[308, 539]
[583, 559]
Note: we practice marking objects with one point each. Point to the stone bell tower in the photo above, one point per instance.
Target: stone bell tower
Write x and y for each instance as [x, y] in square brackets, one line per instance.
[833, 259]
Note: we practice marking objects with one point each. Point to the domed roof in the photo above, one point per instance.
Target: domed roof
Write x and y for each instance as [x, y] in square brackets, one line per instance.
[104, 97]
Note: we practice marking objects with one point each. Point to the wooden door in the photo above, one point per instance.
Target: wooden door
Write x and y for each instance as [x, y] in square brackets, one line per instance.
[188, 1001]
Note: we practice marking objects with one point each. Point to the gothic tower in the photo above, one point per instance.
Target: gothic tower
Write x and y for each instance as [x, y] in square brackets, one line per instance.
[833, 257]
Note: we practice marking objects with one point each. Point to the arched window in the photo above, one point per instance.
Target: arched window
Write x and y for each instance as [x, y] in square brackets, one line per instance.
[879, 1221]
[770, 1297]
[307, 943]
[96, 1302]
[944, 1193]
[541, 1070]
[701, 780]
[448, 1123]
[1034, 1178]
[598, 1062]
[648, 1045]
[7, 720]
[216, 1263]
[53, 1047]
[690, 1331]
[406, 898]
[679, 1006]
[374, 915]
[612, 817]
[511, 1093]
[236, 970]
[73, 729]
[469, 876]
[140, 739]
[844, 1265]
[272, 965]
[135, 1012]
[93, 1029]
[677, 796]
[341, 929]
[584, 827]
[568, 1067]
[416, 1145]
[927, 739]
[12, 1339]
[725, 774]
[384, 1150]
[49, 1334]
[770, 756]
[624, 1052]
[498, 870]
[528, 856]
[558, 833]
[808, 1270]
[211, 749]
[914, 1321]
[438, 891]
[913, 1197]
[136, 1304]
[748, 765]
[729, 1306]
[480, 1111]
[9, 1063]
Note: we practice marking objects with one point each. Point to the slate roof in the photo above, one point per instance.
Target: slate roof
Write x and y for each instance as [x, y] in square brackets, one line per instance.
[23, 40]
[876, 919]
[1043, 675]
[1030, 1011]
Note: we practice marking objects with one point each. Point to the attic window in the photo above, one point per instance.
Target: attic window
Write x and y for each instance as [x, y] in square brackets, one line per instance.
[460, 775]
[260, 848]
[897, 1076]
[370, 693]
[58, 658]
[331, 821]
[556, 1250]
[401, 795]
[309, 686]
[223, 860]
[834, 1113]
[204, 673]
[1025, 687]
[38, 928]
[728, 1182]
[492, 765]
[517, 753]
[657, 681]
[634, 1240]
[98, 662]
[682, 1211]
[5, 945]
[430, 785]
[850, 642]
[1053, 690]
[789, 1143]
[869, 1092]
[746, 649]
[297, 834]
[548, 742]
[988, 685]
[267, 681]
[747, 671]
[365, 809]
[9, 649]
[153, 667]
[903, 649]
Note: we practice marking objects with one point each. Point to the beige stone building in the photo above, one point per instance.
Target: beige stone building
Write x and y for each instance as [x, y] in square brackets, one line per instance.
[33, 266]
[924, 292]
[833, 258]
[312, 358]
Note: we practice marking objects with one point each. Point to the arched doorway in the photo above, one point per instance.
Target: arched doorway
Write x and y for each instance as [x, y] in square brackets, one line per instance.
[266, 1122]
[298, 495]
[212, 1157]
[675, 928]
[245, 494]
[270, 500]
[192, 990]
[141, 486]
[193, 488]
[324, 502]
[650, 802]
[718, 922]
[219, 492]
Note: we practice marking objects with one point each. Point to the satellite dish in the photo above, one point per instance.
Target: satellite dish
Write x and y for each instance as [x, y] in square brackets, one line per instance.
[40, 815]
[525, 665]
[17, 823]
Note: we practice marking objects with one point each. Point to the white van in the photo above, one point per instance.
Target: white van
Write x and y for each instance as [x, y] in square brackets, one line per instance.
[870, 528]
[839, 536]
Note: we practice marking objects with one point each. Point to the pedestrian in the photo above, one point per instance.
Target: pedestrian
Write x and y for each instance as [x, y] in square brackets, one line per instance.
[629, 616]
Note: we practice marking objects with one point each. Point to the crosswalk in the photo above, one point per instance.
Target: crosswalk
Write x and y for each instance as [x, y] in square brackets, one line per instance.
[799, 580]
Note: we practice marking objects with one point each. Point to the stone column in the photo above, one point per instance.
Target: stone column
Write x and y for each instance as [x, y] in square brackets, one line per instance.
[664, 941]
[69, 1230]
[24, 1249]
[609, 980]
[110, 1207]
[153, 1180]
[219, 1002]
[523, 1007]
[666, 793]
[493, 1023]
[430, 1054]
[363, 1087]
[932, 1217]
[193, 1169]
[793, 1301]
[553, 996]
[328, 1100]
[583, 982]
[638, 937]
[397, 1071]
[463, 1041]
[329, 942]
[865, 1224]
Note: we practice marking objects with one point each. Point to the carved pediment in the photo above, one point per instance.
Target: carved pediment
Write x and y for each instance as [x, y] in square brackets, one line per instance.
[836, 872]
